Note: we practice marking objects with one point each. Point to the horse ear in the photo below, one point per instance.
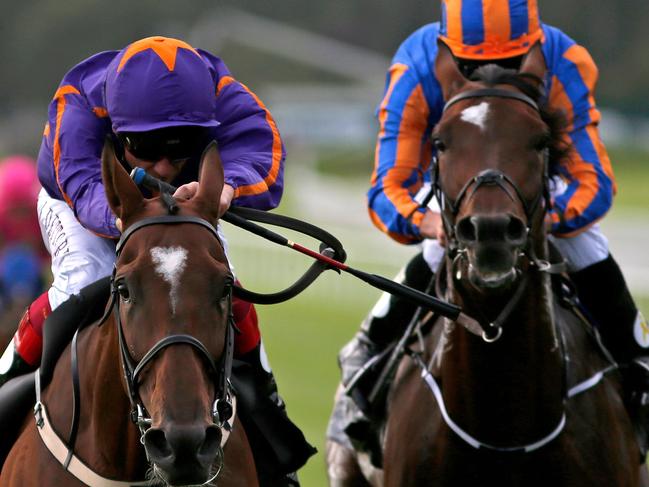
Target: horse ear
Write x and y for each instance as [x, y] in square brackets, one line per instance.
[211, 181]
[448, 74]
[534, 64]
[124, 197]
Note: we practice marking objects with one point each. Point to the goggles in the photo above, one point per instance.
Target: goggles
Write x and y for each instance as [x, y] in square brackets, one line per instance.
[175, 143]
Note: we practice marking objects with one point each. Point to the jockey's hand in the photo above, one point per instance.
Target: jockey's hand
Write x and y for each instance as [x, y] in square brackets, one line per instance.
[226, 199]
[118, 224]
[186, 191]
[189, 190]
[432, 227]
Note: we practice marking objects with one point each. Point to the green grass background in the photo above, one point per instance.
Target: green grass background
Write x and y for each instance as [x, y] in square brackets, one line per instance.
[303, 336]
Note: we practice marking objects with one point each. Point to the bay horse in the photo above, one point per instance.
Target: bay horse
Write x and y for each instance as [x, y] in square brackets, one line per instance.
[152, 403]
[524, 396]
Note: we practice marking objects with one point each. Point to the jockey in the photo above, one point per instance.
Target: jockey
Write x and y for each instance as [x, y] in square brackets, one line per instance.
[161, 101]
[481, 32]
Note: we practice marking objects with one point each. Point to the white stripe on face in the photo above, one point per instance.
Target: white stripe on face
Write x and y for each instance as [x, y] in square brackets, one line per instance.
[476, 115]
[170, 263]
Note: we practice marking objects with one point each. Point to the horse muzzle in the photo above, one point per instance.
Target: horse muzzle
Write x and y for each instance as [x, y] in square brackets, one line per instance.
[493, 244]
[183, 455]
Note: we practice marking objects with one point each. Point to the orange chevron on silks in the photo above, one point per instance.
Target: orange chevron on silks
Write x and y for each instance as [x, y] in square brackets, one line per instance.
[490, 29]
[165, 47]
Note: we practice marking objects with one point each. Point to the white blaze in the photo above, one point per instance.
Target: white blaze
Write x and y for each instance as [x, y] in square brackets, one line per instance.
[170, 263]
[477, 114]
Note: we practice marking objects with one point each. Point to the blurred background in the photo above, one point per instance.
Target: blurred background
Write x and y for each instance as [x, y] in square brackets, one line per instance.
[320, 67]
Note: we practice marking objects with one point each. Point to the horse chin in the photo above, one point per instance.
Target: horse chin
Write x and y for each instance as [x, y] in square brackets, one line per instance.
[492, 266]
[491, 280]
[161, 478]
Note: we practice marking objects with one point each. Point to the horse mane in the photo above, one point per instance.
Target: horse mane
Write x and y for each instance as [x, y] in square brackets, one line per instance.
[528, 84]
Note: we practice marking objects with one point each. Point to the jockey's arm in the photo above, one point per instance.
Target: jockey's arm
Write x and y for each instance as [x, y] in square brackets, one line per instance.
[587, 172]
[250, 145]
[69, 160]
[402, 160]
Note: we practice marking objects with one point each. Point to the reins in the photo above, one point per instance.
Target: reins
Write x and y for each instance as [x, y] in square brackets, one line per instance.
[332, 256]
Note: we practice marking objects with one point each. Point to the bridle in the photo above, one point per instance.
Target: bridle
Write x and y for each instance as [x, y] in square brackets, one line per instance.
[222, 407]
[488, 177]
[493, 178]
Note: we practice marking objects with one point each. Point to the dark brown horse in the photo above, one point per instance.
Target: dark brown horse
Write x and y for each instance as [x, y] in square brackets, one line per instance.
[523, 396]
[159, 360]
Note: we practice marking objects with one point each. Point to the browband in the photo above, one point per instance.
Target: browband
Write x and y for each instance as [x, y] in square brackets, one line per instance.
[495, 92]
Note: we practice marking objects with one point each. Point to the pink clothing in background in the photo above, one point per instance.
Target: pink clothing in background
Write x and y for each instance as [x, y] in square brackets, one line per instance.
[19, 189]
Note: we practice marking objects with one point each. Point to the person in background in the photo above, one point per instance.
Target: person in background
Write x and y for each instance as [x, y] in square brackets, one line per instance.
[19, 189]
[23, 257]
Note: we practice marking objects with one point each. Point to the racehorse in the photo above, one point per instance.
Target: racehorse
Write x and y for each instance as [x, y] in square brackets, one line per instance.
[152, 396]
[522, 394]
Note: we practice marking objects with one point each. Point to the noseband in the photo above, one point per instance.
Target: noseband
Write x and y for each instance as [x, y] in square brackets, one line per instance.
[222, 408]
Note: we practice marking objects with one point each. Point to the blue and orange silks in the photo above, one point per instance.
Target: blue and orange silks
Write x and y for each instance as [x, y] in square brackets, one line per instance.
[412, 105]
[106, 92]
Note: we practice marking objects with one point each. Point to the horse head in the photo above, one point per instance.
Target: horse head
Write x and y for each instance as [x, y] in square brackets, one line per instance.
[172, 306]
[494, 146]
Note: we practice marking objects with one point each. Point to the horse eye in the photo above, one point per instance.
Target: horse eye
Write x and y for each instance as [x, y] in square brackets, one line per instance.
[225, 293]
[122, 289]
[227, 287]
[227, 290]
[542, 143]
[439, 145]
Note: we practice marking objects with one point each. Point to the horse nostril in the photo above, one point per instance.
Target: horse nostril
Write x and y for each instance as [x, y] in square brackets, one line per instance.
[156, 444]
[516, 231]
[212, 442]
[465, 230]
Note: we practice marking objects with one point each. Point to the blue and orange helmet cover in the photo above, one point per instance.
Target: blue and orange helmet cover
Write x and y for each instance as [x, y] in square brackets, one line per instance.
[159, 82]
[490, 29]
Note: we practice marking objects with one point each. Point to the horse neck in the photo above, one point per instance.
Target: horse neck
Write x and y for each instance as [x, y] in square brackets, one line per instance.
[107, 441]
[516, 378]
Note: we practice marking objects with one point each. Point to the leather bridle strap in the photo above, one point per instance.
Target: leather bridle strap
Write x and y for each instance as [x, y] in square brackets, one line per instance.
[494, 177]
[223, 409]
[491, 92]
[168, 341]
[165, 219]
[132, 369]
[491, 177]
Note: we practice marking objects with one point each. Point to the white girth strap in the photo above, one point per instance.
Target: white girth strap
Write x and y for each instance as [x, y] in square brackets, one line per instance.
[76, 467]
